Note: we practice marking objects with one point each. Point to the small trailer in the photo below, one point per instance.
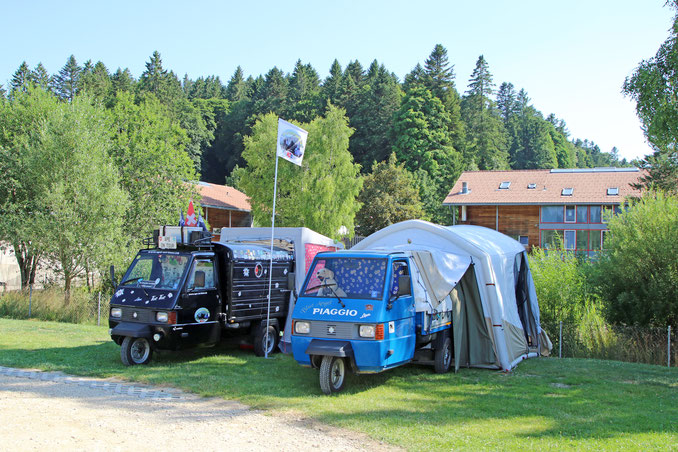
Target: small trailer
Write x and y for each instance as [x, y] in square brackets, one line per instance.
[184, 290]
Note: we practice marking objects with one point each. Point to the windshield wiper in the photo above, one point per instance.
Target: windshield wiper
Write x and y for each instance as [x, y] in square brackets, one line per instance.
[329, 287]
[130, 280]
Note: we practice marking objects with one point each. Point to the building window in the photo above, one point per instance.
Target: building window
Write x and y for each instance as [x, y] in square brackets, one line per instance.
[524, 240]
[582, 214]
[570, 240]
[570, 214]
[551, 239]
[594, 216]
[552, 214]
[531, 186]
[463, 213]
[504, 185]
[595, 240]
[603, 239]
[613, 191]
[567, 192]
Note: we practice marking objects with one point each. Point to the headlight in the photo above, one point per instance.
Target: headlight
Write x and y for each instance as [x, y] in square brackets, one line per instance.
[302, 327]
[161, 316]
[116, 312]
[366, 331]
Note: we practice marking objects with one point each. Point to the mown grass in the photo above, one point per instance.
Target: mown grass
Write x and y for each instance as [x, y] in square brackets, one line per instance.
[543, 404]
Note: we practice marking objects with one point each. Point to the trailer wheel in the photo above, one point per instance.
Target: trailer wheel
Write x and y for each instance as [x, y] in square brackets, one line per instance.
[443, 357]
[265, 339]
[332, 374]
[135, 350]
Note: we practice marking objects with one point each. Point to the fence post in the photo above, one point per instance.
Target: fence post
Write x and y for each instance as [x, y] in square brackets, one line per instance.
[668, 348]
[560, 341]
[99, 310]
[30, 299]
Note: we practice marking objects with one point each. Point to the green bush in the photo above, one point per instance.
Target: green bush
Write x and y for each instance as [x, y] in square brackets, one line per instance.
[49, 305]
[560, 284]
[637, 274]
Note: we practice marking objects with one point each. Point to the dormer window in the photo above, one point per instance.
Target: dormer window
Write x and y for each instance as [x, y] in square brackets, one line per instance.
[613, 191]
[531, 186]
[567, 192]
[504, 185]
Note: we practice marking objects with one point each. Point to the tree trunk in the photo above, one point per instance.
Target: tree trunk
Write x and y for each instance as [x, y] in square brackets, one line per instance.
[67, 287]
[27, 258]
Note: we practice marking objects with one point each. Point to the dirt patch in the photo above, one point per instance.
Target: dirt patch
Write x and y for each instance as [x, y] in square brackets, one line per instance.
[53, 415]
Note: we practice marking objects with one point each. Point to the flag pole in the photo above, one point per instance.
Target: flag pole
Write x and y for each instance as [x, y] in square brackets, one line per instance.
[270, 267]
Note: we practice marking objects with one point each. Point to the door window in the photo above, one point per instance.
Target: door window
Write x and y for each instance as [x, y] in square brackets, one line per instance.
[399, 269]
[202, 275]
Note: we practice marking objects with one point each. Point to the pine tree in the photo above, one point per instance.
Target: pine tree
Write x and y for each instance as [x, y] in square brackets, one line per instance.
[40, 77]
[66, 83]
[122, 80]
[20, 80]
[423, 141]
[157, 81]
[506, 101]
[415, 78]
[439, 75]
[236, 89]
[273, 96]
[372, 113]
[486, 136]
[95, 80]
[304, 93]
[331, 87]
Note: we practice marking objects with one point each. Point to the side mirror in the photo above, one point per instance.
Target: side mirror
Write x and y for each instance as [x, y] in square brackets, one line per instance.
[404, 285]
[112, 269]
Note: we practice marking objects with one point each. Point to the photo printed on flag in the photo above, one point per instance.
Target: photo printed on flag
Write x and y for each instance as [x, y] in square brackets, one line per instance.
[291, 142]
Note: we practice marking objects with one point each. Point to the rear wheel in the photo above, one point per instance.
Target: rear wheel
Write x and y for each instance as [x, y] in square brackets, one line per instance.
[443, 357]
[332, 374]
[265, 339]
[135, 350]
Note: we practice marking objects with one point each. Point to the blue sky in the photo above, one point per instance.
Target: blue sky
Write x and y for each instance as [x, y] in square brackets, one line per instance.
[572, 57]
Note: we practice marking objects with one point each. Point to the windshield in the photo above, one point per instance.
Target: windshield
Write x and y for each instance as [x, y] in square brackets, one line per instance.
[351, 277]
[157, 270]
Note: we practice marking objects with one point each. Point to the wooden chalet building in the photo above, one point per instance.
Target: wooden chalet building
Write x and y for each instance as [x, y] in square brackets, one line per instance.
[536, 206]
[224, 207]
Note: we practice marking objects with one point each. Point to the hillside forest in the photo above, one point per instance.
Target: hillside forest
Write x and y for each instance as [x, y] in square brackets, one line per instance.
[435, 127]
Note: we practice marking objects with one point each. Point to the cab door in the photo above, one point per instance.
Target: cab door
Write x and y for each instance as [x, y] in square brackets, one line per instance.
[400, 327]
[201, 303]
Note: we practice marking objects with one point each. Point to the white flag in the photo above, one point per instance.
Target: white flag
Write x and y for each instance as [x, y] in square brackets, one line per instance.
[291, 142]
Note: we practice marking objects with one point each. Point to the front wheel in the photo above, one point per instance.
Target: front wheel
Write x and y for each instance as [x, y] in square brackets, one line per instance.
[443, 357]
[332, 374]
[135, 350]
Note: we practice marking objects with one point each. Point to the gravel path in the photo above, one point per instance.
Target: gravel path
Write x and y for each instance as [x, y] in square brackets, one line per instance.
[52, 411]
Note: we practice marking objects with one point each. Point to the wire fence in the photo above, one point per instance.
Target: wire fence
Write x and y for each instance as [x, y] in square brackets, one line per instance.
[80, 307]
[632, 344]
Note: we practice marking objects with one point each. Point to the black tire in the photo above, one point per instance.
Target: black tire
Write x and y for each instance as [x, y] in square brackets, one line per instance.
[443, 357]
[332, 374]
[265, 338]
[135, 350]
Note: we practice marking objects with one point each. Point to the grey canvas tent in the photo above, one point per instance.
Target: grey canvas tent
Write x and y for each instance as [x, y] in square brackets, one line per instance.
[485, 278]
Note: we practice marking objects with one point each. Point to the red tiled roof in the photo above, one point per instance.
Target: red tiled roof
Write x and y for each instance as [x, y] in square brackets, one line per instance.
[589, 186]
[223, 197]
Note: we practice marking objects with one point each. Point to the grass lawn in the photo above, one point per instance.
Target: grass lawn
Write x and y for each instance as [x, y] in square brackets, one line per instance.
[543, 404]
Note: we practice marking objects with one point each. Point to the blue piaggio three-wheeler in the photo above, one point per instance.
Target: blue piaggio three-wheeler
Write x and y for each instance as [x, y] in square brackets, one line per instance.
[356, 311]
